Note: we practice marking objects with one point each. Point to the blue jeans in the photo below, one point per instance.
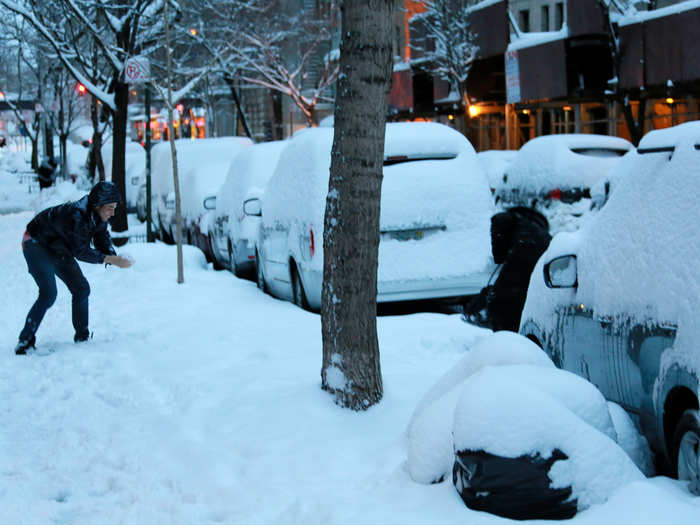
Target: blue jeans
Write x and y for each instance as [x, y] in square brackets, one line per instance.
[44, 266]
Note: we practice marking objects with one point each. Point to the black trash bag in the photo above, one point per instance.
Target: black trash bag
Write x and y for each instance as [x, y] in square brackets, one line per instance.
[515, 488]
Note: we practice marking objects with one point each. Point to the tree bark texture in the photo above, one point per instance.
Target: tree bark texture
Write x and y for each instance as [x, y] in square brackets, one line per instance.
[351, 369]
[119, 123]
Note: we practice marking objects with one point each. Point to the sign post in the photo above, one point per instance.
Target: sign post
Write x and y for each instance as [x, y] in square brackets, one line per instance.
[137, 70]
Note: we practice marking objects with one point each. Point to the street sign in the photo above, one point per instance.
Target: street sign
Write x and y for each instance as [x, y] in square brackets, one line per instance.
[512, 77]
[137, 70]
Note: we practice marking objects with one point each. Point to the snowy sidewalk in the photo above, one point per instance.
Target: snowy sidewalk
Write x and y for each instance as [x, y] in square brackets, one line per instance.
[201, 403]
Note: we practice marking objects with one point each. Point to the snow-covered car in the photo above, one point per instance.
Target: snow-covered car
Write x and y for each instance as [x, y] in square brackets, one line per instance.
[434, 223]
[235, 225]
[191, 153]
[135, 168]
[560, 167]
[617, 301]
[494, 162]
[554, 174]
[199, 186]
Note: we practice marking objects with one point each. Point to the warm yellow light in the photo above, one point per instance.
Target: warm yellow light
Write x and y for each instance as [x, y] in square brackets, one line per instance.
[193, 32]
[670, 100]
[526, 111]
[567, 108]
[451, 117]
[473, 111]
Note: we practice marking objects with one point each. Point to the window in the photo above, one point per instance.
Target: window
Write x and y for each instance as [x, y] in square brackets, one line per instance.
[544, 19]
[524, 20]
[558, 15]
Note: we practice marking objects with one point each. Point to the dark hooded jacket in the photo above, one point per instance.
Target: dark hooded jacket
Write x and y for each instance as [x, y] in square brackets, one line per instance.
[519, 236]
[68, 229]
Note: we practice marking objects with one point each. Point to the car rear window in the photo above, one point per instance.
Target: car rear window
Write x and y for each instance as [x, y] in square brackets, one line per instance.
[600, 152]
[399, 159]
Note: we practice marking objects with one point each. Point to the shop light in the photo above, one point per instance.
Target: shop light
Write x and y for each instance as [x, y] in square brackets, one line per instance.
[451, 117]
[193, 32]
[567, 108]
[669, 100]
[526, 111]
[473, 111]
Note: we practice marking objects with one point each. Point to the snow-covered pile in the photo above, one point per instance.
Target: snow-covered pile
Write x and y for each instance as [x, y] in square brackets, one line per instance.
[430, 444]
[549, 162]
[506, 398]
[423, 195]
[519, 411]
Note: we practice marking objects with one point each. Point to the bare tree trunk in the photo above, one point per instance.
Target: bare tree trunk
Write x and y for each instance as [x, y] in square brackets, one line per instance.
[119, 119]
[351, 369]
[236, 99]
[173, 150]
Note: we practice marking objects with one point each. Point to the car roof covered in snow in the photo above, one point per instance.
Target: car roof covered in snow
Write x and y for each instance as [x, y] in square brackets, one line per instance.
[564, 161]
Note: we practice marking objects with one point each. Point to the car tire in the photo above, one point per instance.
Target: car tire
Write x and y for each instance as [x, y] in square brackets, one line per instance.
[686, 449]
[212, 250]
[298, 289]
[259, 274]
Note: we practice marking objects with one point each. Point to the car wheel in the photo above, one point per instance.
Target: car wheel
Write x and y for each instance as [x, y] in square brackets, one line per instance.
[298, 289]
[260, 276]
[686, 446]
[232, 258]
[212, 250]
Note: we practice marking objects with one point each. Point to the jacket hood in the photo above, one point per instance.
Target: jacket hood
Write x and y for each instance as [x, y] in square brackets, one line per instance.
[103, 193]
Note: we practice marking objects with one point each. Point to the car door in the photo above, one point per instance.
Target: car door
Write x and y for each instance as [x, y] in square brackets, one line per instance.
[583, 341]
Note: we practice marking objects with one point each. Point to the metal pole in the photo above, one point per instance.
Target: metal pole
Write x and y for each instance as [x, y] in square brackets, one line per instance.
[149, 232]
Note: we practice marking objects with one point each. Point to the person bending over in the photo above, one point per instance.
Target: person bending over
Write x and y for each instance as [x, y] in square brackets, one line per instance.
[54, 239]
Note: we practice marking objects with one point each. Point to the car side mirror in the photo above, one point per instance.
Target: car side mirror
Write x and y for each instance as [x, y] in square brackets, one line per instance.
[561, 272]
[252, 207]
[210, 203]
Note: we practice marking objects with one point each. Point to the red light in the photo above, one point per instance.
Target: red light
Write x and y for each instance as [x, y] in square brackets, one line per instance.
[312, 247]
[81, 89]
[555, 194]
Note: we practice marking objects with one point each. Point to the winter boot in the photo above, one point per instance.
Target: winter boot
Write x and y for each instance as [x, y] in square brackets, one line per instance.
[23, 346]
[82, 337]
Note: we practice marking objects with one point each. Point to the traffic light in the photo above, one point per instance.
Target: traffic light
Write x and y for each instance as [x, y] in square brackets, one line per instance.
[81, 89]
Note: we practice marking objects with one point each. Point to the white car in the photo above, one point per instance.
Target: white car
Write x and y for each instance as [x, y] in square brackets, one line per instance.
[434, 223]
[554, 174]
[191, 153]
[617, 302]
[235, 224]
[199, 187]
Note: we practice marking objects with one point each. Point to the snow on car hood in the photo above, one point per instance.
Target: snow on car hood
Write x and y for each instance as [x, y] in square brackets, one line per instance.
[549, 162]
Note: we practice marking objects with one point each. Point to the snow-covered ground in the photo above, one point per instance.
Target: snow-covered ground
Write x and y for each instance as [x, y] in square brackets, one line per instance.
[201, 403]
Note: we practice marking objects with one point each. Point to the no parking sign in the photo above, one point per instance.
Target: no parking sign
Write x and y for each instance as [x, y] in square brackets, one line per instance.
[137, 70]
